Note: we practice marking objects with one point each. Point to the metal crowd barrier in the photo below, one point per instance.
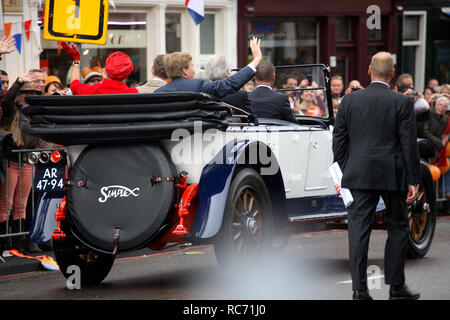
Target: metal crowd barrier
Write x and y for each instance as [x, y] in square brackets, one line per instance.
[23, 158]
[440, 189]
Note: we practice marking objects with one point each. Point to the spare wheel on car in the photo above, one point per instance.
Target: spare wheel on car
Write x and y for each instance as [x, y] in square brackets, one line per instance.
[111, 191]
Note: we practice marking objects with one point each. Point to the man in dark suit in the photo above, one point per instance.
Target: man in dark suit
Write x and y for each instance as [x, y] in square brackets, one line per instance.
[267, 103]
[374, 143]
[180, 70]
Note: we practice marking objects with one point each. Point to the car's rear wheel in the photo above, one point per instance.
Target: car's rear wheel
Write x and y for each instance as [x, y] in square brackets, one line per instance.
[422, 216]
[247, 224]
[94, 266]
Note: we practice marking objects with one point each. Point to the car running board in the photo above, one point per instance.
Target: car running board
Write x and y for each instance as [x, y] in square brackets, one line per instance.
[314, 217]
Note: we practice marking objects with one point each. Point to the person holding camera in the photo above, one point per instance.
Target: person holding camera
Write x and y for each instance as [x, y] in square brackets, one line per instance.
[421, 106]
[353, 85]
[433, 128]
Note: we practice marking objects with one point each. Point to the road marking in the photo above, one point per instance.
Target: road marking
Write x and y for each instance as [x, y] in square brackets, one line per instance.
[310, 234]
[163, 253]
[368, 279]
[20, 274]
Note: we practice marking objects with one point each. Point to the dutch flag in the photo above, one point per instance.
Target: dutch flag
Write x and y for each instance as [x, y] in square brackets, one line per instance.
[196, 9]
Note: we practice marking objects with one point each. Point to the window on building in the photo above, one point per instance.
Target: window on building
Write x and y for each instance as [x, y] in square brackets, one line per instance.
[343, 29]
[173, 32]
[377, 35]
[126, 32]
[374, 34]
[413, 46]
[411, 27]
[207, 34]
[287, 42]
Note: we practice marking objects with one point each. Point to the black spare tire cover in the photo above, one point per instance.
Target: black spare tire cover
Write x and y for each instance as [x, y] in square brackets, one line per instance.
[119, 194]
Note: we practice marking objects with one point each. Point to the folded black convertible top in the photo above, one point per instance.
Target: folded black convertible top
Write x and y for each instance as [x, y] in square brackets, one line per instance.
[89, 119]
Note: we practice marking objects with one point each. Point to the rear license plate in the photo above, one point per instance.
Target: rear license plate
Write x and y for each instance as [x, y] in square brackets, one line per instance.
[49, 179]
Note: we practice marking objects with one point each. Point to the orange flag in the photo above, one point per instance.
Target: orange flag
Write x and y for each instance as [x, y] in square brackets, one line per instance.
[7, 29]
[59, 48]
[27, 25]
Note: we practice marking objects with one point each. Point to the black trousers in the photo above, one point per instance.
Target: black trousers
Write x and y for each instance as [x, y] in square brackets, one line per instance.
[361, 216]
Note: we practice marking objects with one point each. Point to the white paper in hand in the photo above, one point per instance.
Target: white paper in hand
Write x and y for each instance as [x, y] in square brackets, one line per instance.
[336, 175]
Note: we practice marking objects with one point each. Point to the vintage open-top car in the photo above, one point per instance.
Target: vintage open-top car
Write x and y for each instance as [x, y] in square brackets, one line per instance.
[154, 170]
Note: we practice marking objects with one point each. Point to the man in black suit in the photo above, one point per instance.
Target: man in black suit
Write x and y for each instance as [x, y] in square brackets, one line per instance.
[217, 68]
[180, 70]
[267, 103]
[374, 142]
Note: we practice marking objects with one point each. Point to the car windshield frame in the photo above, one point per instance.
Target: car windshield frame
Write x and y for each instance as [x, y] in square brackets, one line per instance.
[326, 89]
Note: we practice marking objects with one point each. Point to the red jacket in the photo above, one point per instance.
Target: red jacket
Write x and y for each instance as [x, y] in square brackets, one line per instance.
[107, 86]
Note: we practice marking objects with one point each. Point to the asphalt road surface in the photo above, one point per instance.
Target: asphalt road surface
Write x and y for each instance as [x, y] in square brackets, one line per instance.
[313, 266]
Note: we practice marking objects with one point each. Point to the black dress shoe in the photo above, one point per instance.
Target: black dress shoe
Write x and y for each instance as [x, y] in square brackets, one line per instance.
[402, 293]
[361, 295]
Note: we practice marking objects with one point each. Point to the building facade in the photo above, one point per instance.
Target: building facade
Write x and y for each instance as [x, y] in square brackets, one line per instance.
[15, 13]
[321, 31]
[140, 28]
[334, 33]
[425, 50]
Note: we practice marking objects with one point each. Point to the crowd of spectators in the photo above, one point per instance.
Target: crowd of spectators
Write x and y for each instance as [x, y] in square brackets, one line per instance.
[251, 89]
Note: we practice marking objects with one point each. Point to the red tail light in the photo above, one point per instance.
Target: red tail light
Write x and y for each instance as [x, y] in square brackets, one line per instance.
[56, 156]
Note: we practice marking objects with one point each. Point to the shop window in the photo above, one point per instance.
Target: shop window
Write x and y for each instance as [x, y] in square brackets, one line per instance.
[374, 35]
[207, 34]
[287, 42]
[173, 32]
[378, 34]
[413, 54]
[126, 33]
[343, 29]
[443, 61]
[411, 27]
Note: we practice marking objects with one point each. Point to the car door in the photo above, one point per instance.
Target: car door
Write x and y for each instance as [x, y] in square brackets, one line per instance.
[320, 157]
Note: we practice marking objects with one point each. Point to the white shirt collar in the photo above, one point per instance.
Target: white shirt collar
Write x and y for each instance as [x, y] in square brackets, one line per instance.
[263, 85]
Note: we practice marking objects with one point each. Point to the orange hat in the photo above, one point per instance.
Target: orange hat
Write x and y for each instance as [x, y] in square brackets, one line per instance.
[314, 112]
[52, 79]
[118, 66]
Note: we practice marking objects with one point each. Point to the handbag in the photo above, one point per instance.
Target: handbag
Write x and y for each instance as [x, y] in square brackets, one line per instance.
[14, 129]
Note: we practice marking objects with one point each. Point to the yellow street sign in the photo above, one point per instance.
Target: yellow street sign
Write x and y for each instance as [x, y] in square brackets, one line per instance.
[83, 21]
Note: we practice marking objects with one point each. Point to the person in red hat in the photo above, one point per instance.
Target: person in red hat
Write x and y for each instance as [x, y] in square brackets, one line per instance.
[118, 67]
